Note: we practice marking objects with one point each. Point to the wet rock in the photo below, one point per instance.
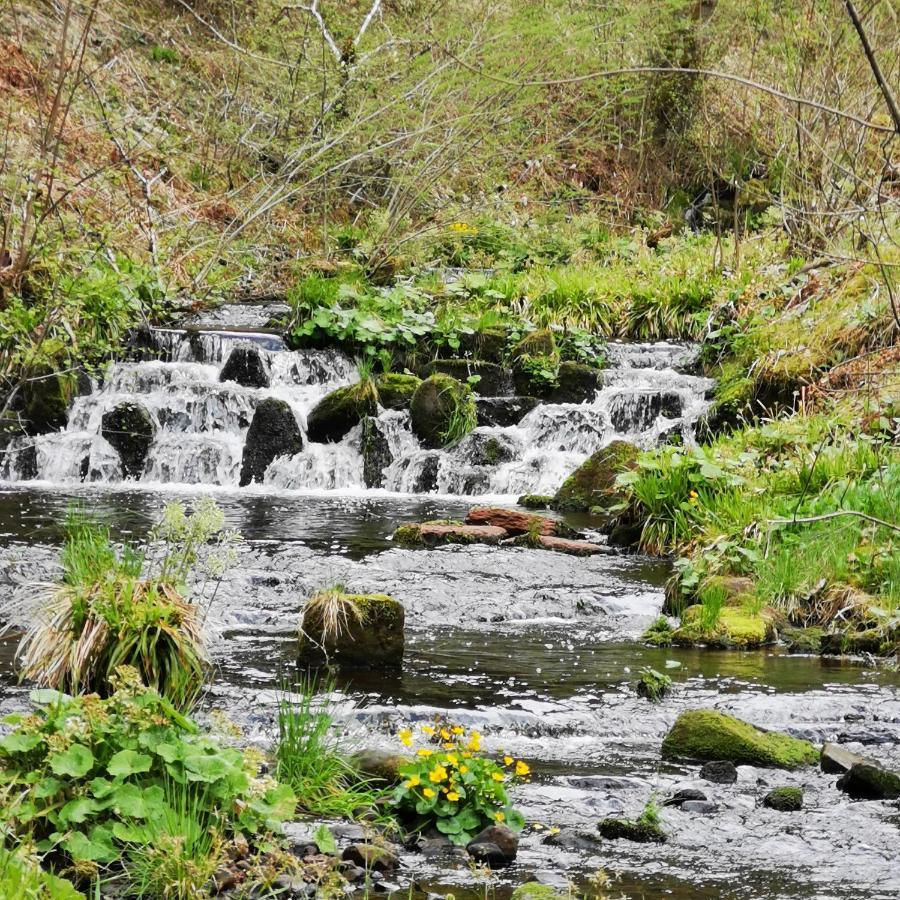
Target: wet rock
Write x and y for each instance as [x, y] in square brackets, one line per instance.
[370, 634]
[338, 412]
[395, 390]
[436, 534]
[290, 887]
[129, 429]
[575, 383]
[625, 534]
[784, 799]
[635, 411]
[870, 781]
[381, 765]
[46, 396]
[573, 840]
[534, 890]
[273, 432]
[592, 484]
[224, 879]
[712, 735]
[874, 641]
[562, 545]
[492, 379]
[426, 477]
[300, 839]
[535, 501]
[629, 830]
[503, 412]
[370, 857]
[699, 807]
[736, 628]
[496, 845]
[488, 343]
[376, 452]
[246, 366]
[352, 873]
[350, 831]
[802, 640]
[837, 760]
[487, 449]
[719, 771]
[435, 846]
[538, 343]
[442, 411]
[512, 521]
[685, 795]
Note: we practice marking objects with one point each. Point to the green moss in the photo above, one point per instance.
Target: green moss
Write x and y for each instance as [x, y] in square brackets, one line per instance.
[538, 343]
[784, 799]
[535, 501]
[659, 633]
[395, 390]
[705, 734]
[533, 890]
[408, 535]
[641, 831]
[336, 413]
[593, 482]
[443, 411]
[736, 627]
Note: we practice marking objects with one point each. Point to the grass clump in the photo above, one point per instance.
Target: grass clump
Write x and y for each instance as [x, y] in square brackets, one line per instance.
[127, 606]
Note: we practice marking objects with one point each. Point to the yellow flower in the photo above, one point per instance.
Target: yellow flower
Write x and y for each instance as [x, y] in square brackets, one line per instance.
[406, 737]
[429, 793]
[458, 729]
[522, 768]
[437, 774]
[467, 755]
[499, 816]
[453, 759]
[463, 770]
[694, 494]
[448, 746]
[537, 826]
[414, 781]
[428, 729]
[498, 776]
[474, 741]
[507, 760]
[445, 735]
[424, 752]
[452, 796]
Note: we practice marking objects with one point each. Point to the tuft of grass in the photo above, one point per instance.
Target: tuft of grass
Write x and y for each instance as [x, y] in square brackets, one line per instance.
[463, 416]
[334, 609]
[712, 599]
[309, 756]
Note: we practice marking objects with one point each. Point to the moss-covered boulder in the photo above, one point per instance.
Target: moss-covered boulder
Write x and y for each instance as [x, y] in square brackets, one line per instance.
[592, 484]
[705, 734]
[488, 343]
[534, 890]
[129, 429]
[438, 534]
[575, 383]
[352, 630]
[870, 781]
[801, 640]
[376, 452]
[442, 411]
[535, 501]
[336, 413]
[381, 765]
[395, 390]
[538, 343]
[46, 396]
[273, 432]
[486, 378]
[736, 628]
[641, 831]
[784, 799]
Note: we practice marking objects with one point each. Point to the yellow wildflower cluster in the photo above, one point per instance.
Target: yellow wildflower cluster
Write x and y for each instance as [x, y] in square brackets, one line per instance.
[463, 228]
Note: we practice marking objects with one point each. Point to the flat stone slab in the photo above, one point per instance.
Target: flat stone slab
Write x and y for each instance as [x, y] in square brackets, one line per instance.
[837, 760]
[436, 535]
[512, 521]
[573, 548]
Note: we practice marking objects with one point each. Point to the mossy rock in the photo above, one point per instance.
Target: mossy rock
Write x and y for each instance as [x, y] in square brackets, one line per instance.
[705, 734]
[538, 343]
[371, 635]
[408, 535]
[784, 799]
[575, 383]
[869, 781]
[630, 830]
[534, 890]
[442, 411]
[492, 379]
[592, 484]
[338, 412]
[874, 641]
[801, 640]
[535, 501]
[736, 628]
[381, 765]
[395, 390]
[376, 452]
[489, 343]
[46, 396]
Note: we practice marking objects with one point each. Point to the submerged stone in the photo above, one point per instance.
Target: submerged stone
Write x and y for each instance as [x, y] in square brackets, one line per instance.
[129, 429]
[735, 628]
[338, 412]
[273, 432]
[870, 781]
[711, 735]
[395, 390]
[564, 545]
[245, 366]
[784, 799]
[485, 378]
[442, 411]
[642, 832]
[592, 484]
[535, 501]
[358, 630]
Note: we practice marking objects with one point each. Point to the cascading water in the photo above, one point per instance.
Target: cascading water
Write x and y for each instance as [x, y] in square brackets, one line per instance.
[200, 423]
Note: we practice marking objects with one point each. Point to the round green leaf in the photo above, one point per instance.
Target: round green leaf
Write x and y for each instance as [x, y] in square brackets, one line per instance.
[75, 762]
[128, 762]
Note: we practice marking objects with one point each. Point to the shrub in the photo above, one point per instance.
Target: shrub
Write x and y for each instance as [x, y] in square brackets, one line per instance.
[89, 776]
[454, 788]
[126, 606]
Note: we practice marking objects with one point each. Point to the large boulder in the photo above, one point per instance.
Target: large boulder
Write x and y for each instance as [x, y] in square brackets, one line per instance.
[273, 432]
[538, 343]
[442, 411]
[870, 781]
[353, 630]
[705, 734]
[512, 520]
[576, 383]
[245, 366]
[504, 411]
[492, 380]
[376, 452]
[45, 398]
[736, 627]
[395, 390]
[336, 413]
[592, 484]
[129, 429]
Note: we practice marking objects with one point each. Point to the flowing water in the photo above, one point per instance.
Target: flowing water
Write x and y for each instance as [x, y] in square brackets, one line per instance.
[537, 650]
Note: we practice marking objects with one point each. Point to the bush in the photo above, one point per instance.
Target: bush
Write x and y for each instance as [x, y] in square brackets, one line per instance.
[454, 788]
[95, 777]
[126, 606]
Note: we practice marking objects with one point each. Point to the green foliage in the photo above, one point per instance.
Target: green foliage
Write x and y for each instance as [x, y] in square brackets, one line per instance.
[652, 684]
[461, 418]
[94, 777]
[125, 606]
[163, 54]
[454, 788]
[309, 756]
[22, 877]
[712, 599]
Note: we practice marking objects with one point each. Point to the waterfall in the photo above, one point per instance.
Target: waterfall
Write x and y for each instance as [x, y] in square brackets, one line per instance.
[200, 423]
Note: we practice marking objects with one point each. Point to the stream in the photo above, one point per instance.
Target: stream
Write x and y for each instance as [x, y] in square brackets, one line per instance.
[537, 650]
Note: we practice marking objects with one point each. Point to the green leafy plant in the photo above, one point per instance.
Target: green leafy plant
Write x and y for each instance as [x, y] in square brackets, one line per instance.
[462, 418]
[652, 684]
[455, 788]
[22, 877]
[87, 776]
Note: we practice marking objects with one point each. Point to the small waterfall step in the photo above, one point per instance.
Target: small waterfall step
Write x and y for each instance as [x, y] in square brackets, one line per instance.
[201, 390]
